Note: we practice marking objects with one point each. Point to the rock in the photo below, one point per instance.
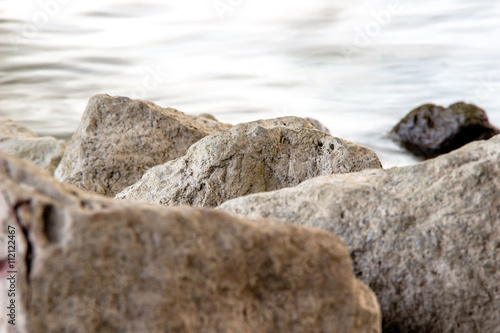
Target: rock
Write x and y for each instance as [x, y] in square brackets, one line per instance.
[86, 263]
[317, 124]
[118, 139]
[425, 238]
[207, 116]
[17, 140]
[431, 130]
[253, 157]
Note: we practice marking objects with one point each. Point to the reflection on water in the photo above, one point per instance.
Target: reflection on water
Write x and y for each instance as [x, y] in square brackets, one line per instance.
[357, 66]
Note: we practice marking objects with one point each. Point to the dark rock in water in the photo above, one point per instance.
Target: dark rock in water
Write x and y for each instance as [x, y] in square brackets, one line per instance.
[317, 124]
[432, 130]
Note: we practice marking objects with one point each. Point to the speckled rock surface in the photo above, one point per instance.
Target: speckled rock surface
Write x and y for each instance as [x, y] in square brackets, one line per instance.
[19, 141]
[86, 263]
[253, 157]
[431, 130]
[118, 139]
[425, 238]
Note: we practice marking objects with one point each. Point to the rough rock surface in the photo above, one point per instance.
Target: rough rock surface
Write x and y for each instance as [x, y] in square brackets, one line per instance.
[17, 140]
[253, 157]
[118, 139]
[89, 264]
[317, 124]
[425, 238]
[431, 130]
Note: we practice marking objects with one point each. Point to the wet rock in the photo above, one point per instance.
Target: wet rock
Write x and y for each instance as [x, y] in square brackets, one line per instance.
[86, 263]
[425, 238]
[431, 130]
[317, 124]
[118, 139]
[17, 140]
[253, 157]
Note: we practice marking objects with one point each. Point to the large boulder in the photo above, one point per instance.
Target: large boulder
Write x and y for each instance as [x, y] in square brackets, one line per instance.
[86, 263]
[17, 140]
[425, 238]
[253, 157]
[431, 130]
[118, 139]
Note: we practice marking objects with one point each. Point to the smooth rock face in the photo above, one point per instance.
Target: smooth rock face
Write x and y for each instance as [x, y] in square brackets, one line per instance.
[317, 124]
[431, 130]
[89, 264]
[19, 141]
[118, 139]
[253, 157]
[425, 238]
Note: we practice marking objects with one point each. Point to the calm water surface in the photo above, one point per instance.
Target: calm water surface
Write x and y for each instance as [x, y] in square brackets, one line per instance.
[357, 66]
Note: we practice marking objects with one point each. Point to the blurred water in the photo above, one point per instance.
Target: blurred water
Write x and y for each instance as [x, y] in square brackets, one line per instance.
[260, 60]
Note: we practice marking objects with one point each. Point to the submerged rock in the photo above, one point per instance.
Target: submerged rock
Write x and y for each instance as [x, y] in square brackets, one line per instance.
[431, 130]
[253, 157]
[118, 139]
[89, 264]
[19, 141]
[425, 238]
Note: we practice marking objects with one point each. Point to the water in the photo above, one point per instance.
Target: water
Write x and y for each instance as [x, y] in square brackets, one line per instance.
[260, 60]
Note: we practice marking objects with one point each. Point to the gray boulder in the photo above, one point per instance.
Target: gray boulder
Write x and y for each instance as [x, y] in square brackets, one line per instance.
[317, 124]
[425, 238]
[431, 130]
[19, 141]
[89, 264]
[253, 157]
[118, 139]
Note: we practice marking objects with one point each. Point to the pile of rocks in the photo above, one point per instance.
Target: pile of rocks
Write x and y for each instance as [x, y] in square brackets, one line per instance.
[308, 234]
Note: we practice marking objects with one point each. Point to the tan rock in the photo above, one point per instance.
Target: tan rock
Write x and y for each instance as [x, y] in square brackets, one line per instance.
[425, 238]
[253, 157]
[118, 139]
[19, 141]
[89, 264]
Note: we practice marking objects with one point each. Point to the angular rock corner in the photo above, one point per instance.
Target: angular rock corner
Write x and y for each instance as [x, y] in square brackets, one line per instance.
[425, 238]
[118, 139]
[17, 140]
[432, 130]
[253, 157]
[90, 264]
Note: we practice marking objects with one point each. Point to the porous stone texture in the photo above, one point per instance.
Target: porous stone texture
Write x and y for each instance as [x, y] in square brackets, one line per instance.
[431, 130]
[86, 263]
[425, 238]
[17, 140]
[253, 157]
[118, 139]
[317, 124]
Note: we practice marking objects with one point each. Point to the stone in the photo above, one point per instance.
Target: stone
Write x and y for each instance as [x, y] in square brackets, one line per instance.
[207, 116]
[432, 130]
[253, 157]
[118, 139]
[86, 263]
[425, 238]
[19, 141]
[317, 124]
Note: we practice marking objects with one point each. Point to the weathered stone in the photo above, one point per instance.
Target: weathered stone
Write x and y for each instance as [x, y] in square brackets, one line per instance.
[317, 124]
[207, 116]
[86, 263]
[118, 139]
[252, 157]
[431, 130]
[17, 140]
[425, 238]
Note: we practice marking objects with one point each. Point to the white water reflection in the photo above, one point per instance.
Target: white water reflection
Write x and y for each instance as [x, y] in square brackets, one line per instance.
[262, 60]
